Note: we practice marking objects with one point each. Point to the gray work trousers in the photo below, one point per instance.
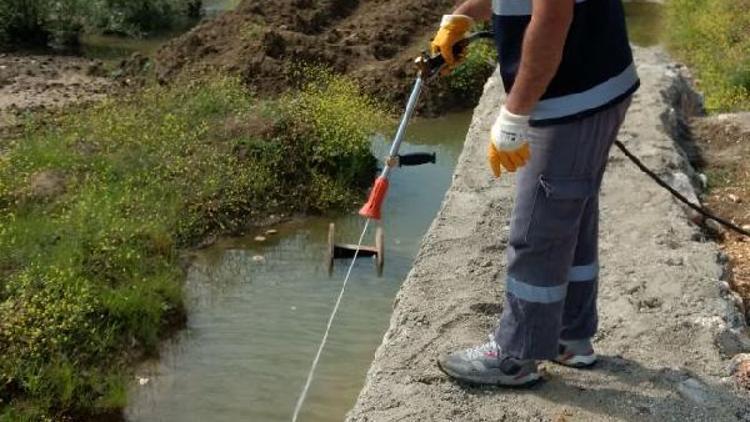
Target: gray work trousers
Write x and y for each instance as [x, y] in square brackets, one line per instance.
[552, 279]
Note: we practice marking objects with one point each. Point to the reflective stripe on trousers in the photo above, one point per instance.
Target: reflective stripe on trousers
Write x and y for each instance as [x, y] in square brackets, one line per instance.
[553, 264]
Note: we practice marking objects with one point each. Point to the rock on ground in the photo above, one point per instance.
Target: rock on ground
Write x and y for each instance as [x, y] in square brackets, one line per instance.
[668, 326]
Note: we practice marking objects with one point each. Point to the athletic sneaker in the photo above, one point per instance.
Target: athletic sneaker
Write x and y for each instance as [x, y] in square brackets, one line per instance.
[576, 354]
[486, 364]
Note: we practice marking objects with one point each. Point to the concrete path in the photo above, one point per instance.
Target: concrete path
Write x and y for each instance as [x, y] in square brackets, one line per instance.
[669, 325]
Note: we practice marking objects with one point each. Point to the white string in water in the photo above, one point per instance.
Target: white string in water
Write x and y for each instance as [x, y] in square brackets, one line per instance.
[314, 366]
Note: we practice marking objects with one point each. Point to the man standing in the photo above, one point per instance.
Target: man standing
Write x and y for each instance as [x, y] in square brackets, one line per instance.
[568, 70]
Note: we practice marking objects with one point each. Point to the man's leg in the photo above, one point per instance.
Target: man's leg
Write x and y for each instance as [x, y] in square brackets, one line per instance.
[552, 251]
[579, 316]
[552, 193]
[580, 319]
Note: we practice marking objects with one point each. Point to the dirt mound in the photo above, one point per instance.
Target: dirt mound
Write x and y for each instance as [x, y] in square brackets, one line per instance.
[374, 41]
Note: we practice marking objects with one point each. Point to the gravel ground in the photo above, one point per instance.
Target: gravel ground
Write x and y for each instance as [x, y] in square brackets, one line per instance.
[669, 326]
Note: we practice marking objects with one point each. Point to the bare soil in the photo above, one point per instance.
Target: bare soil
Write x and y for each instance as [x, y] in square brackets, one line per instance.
[46, 82]
[724, 141]
[374, 41]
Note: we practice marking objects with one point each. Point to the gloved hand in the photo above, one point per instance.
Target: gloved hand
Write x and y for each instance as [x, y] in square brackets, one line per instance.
[453, 28]
[509, 142]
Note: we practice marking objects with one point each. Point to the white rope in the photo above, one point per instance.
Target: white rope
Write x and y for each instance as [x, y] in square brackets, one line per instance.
[314, 366]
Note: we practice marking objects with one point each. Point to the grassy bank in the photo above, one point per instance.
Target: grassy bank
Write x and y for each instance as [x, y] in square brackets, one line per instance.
[95, 206]
[712, 37]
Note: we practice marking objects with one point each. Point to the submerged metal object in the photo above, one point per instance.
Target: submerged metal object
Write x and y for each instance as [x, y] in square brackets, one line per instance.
[347, 251]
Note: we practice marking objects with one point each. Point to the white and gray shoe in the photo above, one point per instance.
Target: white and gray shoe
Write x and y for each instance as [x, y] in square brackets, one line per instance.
[487, 364]
[576, 354]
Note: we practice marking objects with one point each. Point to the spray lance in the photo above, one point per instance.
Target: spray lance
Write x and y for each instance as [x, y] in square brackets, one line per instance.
[428, 66]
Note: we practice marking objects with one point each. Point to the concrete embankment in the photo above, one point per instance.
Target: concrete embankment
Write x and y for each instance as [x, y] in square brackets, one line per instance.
[669, 326]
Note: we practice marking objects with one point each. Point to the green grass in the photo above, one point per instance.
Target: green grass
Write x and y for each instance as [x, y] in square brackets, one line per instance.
[89, 279]
[712, 37]
[720, 177]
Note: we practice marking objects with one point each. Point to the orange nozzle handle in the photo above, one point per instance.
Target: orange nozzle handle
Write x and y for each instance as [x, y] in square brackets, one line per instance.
[372, 208]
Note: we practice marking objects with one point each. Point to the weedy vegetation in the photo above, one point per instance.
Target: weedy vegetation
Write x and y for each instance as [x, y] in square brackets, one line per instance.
[712, 36]
[95, 205]
[469, 77]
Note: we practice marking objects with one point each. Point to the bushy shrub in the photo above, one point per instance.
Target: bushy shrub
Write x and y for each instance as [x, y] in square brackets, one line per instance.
[25, 21]
[712, 36]
[323, 137]
[40, 22]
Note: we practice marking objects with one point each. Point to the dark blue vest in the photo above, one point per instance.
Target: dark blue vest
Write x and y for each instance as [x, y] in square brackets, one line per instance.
[596, 71]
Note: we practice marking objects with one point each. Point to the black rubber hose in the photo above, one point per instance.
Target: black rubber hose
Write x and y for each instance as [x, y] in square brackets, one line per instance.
[724, 222]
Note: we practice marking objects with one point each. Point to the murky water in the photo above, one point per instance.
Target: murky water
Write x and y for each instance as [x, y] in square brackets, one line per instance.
[255, 324]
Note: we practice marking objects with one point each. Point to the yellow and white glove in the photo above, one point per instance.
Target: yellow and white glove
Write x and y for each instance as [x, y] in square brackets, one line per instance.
[509, 142]
[453, 28]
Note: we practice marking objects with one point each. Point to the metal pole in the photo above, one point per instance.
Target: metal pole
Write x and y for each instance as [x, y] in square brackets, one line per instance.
[410, 106]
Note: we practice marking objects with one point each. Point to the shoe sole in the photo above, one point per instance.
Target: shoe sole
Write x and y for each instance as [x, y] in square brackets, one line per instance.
[509, 382]
[578, 361]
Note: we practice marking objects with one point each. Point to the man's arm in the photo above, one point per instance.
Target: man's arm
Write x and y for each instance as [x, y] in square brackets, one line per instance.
[479, 10]
[543, 45]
